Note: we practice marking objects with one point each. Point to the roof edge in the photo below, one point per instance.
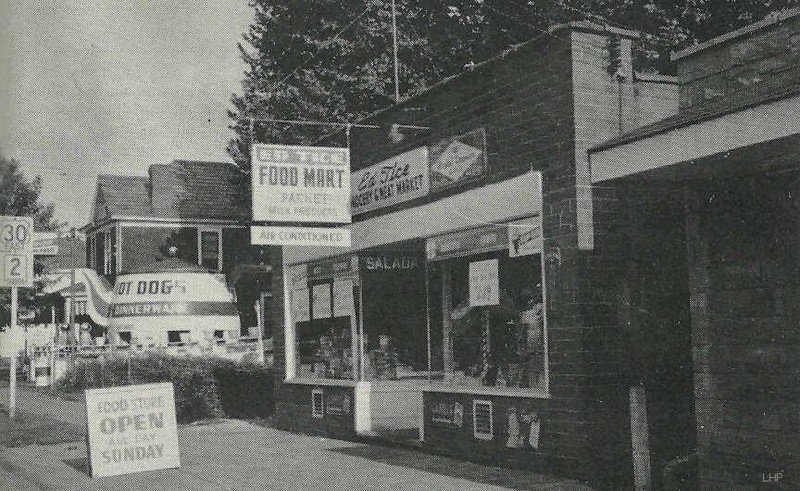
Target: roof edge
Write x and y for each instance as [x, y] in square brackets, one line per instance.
[594, 27]
[768, 21]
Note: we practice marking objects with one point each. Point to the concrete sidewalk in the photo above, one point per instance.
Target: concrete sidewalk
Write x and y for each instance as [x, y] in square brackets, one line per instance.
[233, 454]
[230, 454]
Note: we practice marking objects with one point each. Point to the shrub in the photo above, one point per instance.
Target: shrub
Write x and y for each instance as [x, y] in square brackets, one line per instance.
[204, 387]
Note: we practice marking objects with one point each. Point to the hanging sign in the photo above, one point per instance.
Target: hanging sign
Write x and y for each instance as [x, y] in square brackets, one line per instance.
[16, 251]
[301, 184]
[300, 236]
[300, 311]
[395, 180]
[525, 237]
[132, 429]
[484, 283]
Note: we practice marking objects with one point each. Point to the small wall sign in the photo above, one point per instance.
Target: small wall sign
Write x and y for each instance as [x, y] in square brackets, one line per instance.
[132, 429]
[484, 283]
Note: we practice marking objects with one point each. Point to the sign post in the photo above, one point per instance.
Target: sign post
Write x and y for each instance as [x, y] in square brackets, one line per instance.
[16, 269]
[12, 371]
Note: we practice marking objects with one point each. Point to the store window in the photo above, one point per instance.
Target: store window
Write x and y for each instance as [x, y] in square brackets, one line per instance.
[489, 308]
[395, 334]
[323, 313]
[209, 253]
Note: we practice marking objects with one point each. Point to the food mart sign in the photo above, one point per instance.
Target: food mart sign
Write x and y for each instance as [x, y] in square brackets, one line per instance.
[300, 184]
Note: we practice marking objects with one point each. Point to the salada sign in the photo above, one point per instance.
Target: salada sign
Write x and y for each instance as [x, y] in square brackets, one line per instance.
[132, 429]
[395, 180]
[301, 184]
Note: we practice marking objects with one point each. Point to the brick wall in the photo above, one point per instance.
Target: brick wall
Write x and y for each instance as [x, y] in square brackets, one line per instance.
[745, 317]
[525, 103]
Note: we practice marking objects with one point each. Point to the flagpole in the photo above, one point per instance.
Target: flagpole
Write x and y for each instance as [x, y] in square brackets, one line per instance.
[394, 42]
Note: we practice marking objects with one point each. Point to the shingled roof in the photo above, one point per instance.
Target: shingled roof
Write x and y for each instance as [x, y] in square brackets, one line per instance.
[182, 189]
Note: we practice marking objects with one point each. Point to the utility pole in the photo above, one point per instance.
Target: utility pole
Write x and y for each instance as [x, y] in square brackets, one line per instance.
[394, 41]
[71, 333]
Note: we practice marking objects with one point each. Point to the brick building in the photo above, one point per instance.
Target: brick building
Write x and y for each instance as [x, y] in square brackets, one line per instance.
[701, 243]
[468, 312]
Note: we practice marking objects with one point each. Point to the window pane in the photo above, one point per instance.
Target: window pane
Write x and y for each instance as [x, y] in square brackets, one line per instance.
[209, 250]
[498, 345]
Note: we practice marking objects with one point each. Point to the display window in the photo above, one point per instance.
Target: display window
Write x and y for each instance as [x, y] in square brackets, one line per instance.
[462, 310]
[491, 317]
[394, 303]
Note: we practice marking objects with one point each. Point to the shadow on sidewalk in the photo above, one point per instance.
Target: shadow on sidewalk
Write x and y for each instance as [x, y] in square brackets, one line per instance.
[497, 476]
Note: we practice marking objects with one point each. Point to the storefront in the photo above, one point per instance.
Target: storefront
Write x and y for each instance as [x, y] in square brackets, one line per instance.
[443, 297]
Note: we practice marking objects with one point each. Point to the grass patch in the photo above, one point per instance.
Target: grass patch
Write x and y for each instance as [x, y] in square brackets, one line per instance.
[28, 429]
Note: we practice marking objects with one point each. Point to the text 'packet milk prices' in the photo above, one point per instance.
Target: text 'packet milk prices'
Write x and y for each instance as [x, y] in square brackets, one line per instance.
[300, 184]
[132, 429]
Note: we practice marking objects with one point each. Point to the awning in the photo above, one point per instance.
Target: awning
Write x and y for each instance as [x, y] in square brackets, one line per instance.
[494, 203]
[762, 126]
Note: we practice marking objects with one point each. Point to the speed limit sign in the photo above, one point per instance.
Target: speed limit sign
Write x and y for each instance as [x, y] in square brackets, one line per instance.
[16, 251]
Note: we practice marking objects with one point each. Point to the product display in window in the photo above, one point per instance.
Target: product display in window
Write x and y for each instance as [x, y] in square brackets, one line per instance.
[500, 345]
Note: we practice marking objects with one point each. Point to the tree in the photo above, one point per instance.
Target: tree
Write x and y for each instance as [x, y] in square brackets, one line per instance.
[20, 197]
[331, 60]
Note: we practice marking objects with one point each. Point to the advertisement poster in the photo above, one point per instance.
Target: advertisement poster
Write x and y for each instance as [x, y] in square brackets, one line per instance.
[132, 429]
[300, 310]
[321, 301]
[395, 180]
[458, 159]
[342, 298]
[484, 283]
[525, 237]
[301, 184]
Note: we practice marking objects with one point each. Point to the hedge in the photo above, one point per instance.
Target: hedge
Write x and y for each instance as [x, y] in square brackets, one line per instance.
[204, 387]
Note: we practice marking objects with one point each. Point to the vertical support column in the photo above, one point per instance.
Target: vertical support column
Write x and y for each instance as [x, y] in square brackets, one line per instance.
[447, 324]
[699, 281]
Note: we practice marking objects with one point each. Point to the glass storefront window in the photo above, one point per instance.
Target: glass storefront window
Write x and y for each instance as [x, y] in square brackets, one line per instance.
[496, 345]
[471, 319]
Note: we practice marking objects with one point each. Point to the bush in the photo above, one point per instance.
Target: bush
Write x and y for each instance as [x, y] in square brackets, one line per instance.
[204, 387]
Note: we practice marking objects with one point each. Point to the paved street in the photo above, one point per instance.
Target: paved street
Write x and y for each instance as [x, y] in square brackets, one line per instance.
[232, 454]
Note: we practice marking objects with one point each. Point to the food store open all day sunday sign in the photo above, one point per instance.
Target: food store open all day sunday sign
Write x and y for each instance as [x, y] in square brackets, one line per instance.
[132, 429]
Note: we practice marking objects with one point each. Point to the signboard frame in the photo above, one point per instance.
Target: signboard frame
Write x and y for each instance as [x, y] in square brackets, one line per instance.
[16, 251]
[119, 427]
[300, 184]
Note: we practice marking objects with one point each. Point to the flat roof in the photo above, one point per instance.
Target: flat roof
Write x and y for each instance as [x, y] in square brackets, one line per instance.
[768, 21]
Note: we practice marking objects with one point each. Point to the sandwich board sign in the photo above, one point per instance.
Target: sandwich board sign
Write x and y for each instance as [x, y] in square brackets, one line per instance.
[132, 429]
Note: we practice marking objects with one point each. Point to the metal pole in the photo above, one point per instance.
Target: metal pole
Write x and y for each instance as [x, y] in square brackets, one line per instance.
[12, 385]
[394, 42]
[71, 331]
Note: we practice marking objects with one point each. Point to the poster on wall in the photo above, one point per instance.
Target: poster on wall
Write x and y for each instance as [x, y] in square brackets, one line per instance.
[300, 310]
[484, 283]
[343, 304]
[525, 237]
[321, 301]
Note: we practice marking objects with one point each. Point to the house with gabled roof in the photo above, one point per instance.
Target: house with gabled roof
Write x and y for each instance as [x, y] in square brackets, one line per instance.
[190, 208]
